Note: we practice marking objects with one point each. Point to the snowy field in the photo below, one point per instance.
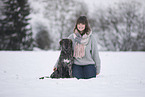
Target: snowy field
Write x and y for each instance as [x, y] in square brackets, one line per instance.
[122, 75]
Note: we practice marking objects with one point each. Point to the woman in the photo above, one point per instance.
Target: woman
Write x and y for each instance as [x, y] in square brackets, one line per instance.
[86, 58]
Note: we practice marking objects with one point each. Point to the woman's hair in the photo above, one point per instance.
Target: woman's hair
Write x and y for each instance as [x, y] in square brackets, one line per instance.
[83, 20]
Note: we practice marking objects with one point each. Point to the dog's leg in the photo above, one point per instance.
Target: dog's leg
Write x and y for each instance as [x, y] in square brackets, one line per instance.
[70, 70]
[60, 72]
[70, 66]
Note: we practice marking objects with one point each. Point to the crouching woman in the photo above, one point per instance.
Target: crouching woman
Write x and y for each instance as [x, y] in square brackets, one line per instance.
[86, 57]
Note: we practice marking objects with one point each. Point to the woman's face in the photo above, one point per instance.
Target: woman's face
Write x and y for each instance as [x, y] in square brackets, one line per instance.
[81, 27]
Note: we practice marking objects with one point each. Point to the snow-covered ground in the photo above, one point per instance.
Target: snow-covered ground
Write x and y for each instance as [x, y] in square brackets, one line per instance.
[122, 75]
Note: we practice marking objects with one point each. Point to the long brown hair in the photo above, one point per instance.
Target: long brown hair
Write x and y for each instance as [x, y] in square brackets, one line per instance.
[83, 20]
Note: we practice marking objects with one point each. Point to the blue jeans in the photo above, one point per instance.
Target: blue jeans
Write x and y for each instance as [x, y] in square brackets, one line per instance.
[83, 72]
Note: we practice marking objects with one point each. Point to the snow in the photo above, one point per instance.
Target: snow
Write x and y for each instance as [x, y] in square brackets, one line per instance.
[122, 75]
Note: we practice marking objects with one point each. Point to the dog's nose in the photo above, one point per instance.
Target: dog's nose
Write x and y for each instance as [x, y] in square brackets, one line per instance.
[66, 47]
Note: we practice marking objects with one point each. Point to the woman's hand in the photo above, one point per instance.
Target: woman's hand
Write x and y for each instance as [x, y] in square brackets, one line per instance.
[54, 69]
[97, 73]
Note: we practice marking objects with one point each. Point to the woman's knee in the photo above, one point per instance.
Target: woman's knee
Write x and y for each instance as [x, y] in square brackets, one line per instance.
[77, 71]
[90, 71]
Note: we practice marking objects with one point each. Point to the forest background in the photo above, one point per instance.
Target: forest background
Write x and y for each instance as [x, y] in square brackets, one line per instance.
[40, 24]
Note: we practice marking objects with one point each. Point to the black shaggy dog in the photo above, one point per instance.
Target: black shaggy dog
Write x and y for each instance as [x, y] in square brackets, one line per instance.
[64, 65]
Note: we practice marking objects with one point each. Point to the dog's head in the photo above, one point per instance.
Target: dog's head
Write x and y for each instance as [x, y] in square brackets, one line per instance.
[66, 44]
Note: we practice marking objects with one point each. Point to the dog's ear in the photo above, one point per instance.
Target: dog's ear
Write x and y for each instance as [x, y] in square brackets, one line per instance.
[70, 41]
[60, 42]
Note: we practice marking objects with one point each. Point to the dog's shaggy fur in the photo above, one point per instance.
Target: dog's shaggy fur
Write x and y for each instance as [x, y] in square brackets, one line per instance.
[64, 65]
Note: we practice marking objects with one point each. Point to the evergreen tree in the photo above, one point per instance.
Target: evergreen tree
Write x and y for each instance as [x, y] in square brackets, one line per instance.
[15, 28]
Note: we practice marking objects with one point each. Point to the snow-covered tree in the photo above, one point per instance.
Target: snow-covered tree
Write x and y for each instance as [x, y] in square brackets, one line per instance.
[58, 16]
[16, 32]
[119, 27]
[81, 9]
[62, 15]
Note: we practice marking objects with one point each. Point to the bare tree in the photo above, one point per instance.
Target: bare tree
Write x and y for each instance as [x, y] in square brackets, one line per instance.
[119, 27]
[62, 15]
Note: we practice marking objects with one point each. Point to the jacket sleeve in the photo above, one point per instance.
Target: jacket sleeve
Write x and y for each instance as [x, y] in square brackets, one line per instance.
[70, 36]
[95, 54]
